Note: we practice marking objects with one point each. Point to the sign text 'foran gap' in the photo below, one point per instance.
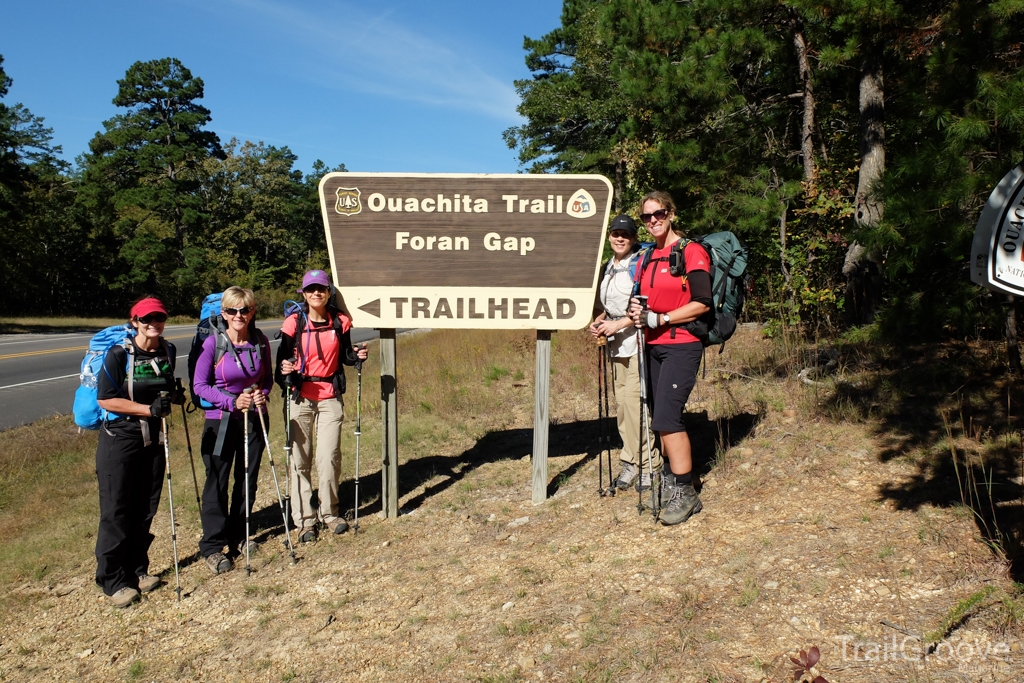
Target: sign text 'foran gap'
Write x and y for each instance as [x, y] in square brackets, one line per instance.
[459, 308]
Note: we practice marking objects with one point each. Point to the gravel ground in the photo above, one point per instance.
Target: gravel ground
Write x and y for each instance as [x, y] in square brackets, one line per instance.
[798, 545]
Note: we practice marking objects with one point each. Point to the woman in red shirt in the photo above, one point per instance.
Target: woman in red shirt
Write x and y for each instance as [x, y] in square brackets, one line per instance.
[674, 353]
[314, 345]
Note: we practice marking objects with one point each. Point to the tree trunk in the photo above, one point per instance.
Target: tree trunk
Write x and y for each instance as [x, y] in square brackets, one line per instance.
[1012, 350]
[619, 188]
[862, 267]
[807, 127]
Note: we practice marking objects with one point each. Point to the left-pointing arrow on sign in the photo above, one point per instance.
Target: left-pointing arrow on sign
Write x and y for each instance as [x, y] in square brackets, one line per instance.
[373, 308]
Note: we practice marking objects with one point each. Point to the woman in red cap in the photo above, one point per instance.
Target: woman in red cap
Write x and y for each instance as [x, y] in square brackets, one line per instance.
[315, 345]
[130, 454]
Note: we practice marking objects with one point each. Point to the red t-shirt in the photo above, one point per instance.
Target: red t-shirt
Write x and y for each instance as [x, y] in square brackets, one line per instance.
[669, 292]
[321, 360]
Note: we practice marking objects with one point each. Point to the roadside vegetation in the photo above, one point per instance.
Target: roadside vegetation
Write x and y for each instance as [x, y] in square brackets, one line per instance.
[880, 496]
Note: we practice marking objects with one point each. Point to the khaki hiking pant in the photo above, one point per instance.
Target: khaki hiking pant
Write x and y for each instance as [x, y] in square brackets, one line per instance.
[327, 415]
[626, 378]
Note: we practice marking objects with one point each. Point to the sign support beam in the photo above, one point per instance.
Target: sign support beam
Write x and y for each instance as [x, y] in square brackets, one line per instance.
[389, 424]
[540, 417]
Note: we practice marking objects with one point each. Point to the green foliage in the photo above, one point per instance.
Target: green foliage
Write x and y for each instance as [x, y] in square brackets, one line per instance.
[705, 99]
[142, 179]
[37, 239]
[156, 206]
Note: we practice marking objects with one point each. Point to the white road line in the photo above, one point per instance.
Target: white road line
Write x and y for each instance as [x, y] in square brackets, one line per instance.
[37, 381]
[51, 379]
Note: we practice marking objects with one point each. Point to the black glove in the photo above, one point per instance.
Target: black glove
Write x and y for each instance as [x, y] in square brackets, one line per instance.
[178, 395]
[161, 407]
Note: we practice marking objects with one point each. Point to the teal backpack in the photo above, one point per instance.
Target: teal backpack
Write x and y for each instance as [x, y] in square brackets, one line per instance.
[728, 283]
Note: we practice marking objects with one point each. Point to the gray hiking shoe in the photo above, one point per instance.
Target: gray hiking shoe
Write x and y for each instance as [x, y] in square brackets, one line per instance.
[337, 525]
[307, 535]
[681, 505]
[626, 476]
[643, 482]
[661, 496]
[124, 597]
[148, 583]
[219, 563]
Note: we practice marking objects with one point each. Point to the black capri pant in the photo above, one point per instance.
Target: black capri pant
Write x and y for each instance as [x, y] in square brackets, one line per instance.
[673, 372]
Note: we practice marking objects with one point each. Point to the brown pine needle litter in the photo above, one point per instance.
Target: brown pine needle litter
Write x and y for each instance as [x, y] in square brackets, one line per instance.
[832, 523]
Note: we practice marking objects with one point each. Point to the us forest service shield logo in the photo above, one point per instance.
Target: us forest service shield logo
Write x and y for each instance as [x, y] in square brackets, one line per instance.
[348, 201]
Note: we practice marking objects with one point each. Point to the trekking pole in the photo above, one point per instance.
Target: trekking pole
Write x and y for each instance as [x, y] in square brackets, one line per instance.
[602, 342]
[245, 436]
[359, 431]
[188, 440]
[608, 417]
[170, 501]
[273, 470]
[645, 424]
[290, 464]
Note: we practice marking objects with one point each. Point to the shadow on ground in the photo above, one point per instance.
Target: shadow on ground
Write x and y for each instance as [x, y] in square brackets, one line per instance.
[956, 411]
[582, 438]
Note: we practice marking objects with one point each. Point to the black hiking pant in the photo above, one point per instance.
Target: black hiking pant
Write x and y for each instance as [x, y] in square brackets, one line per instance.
[224, 520]
[130, 479]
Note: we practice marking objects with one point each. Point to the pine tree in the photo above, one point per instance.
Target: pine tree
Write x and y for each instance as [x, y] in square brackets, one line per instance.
[142, 179]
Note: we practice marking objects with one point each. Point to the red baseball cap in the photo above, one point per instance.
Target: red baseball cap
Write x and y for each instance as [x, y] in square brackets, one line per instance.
[147, 306]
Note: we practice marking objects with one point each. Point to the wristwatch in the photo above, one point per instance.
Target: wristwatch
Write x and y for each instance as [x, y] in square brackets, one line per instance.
[665, 318]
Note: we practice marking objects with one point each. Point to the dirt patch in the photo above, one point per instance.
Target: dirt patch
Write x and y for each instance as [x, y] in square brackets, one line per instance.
[798, 545]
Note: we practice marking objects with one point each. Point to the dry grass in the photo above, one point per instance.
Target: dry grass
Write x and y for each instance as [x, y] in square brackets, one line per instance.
[53, 325]
[802, 542]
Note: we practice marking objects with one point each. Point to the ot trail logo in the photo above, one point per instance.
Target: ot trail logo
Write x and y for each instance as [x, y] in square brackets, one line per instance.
[348, 201]
[581, 205]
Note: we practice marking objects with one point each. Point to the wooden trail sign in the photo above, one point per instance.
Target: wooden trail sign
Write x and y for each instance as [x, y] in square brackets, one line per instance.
[466, 251]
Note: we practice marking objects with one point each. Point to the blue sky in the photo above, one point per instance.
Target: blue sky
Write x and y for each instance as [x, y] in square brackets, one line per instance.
[389, 86]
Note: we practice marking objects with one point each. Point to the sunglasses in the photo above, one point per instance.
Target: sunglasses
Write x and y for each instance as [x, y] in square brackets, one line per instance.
[659, 215]
[245, 310]
[153, 318]
[315, 288]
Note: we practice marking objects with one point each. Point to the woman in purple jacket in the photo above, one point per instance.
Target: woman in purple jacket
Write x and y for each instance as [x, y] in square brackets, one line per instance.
[222, 375]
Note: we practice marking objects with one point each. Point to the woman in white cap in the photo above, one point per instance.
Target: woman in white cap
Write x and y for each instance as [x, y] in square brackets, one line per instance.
[315, 344]
[614, 323]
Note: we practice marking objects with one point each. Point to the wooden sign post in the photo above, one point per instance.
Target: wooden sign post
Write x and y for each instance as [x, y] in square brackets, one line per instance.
[467, 252]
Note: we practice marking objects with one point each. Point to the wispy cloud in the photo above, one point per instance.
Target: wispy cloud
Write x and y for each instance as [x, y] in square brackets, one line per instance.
[374, 53]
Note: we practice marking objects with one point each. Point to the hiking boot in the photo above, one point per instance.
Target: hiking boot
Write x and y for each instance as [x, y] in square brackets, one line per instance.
[681, 505]
[626, 476]
[148, 583]
[307, 535]
[661, 495]
[123, 597]
[643, 482]
[337, 525]
[219, 563]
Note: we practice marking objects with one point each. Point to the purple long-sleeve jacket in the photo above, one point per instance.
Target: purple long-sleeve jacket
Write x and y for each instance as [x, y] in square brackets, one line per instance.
[211, 383]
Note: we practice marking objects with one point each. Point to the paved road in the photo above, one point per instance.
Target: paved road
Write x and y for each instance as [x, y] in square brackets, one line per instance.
[39, 372]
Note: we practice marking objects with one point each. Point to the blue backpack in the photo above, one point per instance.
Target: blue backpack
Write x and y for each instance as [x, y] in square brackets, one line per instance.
[88, 414]
[211, 323]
